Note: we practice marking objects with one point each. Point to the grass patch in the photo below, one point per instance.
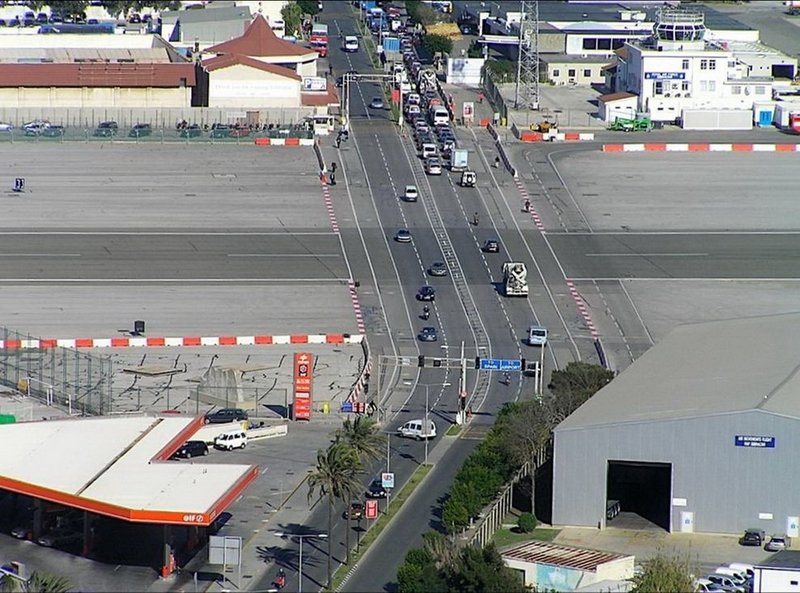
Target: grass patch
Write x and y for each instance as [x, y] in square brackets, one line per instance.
[454, 430]
[380, 524]
[506, 537]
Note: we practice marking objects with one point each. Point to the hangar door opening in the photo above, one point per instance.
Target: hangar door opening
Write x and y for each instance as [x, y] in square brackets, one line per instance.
[638, 495]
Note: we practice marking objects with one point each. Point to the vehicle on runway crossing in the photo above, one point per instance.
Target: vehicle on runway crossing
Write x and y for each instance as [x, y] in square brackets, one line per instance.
[491, 246]
[410, 194]
[426, 293]
[376, 103]
[428, 334]
[403, 236]
[438, 268]
[350, 44]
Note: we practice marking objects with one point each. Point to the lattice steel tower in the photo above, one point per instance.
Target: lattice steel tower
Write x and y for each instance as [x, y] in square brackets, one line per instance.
[527, 91]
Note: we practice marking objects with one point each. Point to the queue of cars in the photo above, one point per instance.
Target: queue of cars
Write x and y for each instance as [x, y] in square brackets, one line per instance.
[110, 129]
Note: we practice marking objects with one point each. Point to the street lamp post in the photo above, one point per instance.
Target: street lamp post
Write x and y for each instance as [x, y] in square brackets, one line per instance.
[301, 537]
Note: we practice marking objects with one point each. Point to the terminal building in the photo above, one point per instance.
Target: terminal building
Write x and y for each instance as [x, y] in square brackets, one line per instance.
[700, 434]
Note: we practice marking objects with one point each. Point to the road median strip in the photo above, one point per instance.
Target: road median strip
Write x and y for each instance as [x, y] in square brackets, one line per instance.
[344, 571]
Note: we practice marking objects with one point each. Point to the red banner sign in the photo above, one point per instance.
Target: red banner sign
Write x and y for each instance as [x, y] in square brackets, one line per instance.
[303, 365]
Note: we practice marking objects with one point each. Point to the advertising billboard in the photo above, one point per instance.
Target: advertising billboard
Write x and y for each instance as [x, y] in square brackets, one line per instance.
[303, 365]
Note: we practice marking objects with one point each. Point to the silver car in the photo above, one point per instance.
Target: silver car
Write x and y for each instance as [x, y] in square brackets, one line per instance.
[438, 268]
[433, 166]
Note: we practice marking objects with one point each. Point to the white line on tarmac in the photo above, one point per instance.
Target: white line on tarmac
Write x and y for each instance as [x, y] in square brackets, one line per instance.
[175, 280]
[314, 255]
[646, 254]
[40, 255]
[171, 233]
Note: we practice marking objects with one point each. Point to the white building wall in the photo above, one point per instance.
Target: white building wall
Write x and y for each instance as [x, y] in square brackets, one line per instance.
[241, 86]
[95, 97]
[271, 9]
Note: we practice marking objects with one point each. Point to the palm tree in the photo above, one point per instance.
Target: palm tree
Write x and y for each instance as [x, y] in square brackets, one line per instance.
[362, 436]
[335, 478]
[39, 582]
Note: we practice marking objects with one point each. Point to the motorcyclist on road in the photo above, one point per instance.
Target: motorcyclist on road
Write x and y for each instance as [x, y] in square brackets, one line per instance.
[426, 312]
[475, 219]
[280, 580]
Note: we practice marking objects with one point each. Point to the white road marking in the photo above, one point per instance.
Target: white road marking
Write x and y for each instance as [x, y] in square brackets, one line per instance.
[315, 255]
[646, 254]
[40, 255]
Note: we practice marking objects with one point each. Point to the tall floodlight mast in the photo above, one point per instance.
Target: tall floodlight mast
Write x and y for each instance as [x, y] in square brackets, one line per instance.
[527, 91]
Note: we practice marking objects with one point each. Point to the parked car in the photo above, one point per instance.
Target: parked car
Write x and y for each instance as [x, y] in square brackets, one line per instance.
[239, 133]
[53, 132]
[491, 246]
[410, 194]
[428, 334]
[192, 131]
[777, 543]
[403, 236]
[355, 511]
[35, 127]
[376, 103]
[376, 489]
[725, 582]
[220, 132]
[140, 131]
[752, 537]
[224, 415]
[106, 129]
[4, 127]
[191, 449]
[702, 585]
[438, 268]
[426, 293]
[60, 537]
[233, 439]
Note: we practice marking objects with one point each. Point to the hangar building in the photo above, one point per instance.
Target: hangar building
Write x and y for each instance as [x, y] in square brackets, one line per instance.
[700, 434]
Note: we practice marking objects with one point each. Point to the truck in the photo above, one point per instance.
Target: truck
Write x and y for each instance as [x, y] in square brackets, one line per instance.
[459, 160]
[515, 279]
[319, 32]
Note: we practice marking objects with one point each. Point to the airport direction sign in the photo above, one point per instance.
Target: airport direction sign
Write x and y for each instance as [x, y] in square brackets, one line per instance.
[500, 364]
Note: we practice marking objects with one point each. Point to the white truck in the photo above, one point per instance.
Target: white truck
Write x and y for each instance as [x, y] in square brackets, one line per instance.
[459, 160]
[515, 279]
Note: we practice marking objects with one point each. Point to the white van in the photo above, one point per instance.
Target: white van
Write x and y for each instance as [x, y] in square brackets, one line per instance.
[233, 439]
[350, 44]
[439, 116]
[414, 429]
[537, 335]
[427, 151]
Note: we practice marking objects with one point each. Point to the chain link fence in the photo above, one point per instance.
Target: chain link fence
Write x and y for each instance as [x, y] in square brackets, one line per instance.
[80, 383]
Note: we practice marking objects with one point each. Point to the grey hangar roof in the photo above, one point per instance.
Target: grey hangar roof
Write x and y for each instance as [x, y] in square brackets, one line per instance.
[705, 369]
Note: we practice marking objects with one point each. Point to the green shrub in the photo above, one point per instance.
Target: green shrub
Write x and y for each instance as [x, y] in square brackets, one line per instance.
[526, 522]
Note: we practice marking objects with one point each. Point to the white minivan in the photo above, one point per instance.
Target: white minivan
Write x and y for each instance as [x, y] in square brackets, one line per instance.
[427, 151]
[350, 44]
[537, 335]
[233, 439]
[414, 429]
[440, 117]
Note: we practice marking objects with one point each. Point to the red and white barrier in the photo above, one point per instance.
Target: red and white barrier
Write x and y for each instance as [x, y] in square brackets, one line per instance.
[161, 342]
[700, 147]
[284, 142]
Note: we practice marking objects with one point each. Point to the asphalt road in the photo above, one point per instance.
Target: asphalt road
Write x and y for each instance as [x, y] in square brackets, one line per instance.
[315, 256]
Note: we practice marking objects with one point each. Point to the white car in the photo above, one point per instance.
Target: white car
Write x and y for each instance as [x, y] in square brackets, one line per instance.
[4, 127]
[415, 430]
[410, 194]
[350, 44]
[433, 166]
[233, 439]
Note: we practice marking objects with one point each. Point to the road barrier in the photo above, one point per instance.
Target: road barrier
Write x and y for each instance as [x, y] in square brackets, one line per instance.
[700, 147]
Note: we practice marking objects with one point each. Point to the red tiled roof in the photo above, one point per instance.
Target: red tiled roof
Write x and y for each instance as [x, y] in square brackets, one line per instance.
[320, 99]
[615, 97]
[97, 75]
[259, 40]
[227, 60]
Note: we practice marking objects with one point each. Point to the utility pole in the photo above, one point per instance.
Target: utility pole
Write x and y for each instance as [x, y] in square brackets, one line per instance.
[526, 95]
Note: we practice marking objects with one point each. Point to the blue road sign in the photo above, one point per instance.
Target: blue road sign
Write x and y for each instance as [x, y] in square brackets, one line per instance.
[500, 364]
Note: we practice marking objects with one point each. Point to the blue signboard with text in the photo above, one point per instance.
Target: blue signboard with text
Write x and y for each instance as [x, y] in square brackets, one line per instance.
[665, 75]
[759, 442]
[499, 364]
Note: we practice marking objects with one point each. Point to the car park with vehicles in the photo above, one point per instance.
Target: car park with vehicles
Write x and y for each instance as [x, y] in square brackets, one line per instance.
[191, 449]
[428, 334]
[224, 415]
[403, 236]
[438, 268]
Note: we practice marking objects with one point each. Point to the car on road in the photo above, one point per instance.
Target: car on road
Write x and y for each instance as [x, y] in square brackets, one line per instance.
[433, 166]
[415, 429]
[376, 489]
[403, 236]
[140, 131]
[491, 246]
[752, 537]
[410, 194]
[777, 543]
[376, 103]
[356, 510]
[191, 449]
[537, 335]
[426, 293]
[224, 415]
[350, 44]
[428, 334]
[438, 268]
